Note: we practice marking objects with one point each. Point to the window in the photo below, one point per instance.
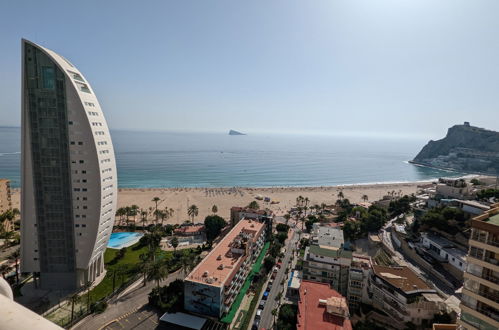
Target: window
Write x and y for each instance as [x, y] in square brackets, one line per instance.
[48, 77]
[70, 122]
[82, 161]
[72, 143]
[80, 143]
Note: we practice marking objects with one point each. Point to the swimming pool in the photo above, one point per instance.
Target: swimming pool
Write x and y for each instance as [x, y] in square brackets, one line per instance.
[121, 240]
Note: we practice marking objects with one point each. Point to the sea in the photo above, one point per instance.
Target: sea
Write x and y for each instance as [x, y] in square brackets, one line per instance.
[171, 159]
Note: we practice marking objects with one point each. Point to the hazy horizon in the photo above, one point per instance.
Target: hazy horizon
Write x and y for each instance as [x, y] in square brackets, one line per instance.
[394, 68]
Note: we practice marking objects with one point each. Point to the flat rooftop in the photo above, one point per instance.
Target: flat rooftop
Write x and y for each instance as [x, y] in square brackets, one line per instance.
[401, 277]
[222, 263]
[329, 236]
[313, 314]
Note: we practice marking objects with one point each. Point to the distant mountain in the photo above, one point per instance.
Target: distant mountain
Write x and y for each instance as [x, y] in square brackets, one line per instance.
[232, 132]
[465, 148]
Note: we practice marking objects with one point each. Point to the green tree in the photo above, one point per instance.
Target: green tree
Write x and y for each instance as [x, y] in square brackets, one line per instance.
[214, 209]
[254, 205]
[87, 287]
[158, 271]
[192, 212]
[174, 243]
[74, 299]
[213, 225]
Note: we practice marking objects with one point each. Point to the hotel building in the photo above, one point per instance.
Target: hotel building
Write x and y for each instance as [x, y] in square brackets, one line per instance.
[480, 300]
[211, 287]
[358, 280]
[69, 184]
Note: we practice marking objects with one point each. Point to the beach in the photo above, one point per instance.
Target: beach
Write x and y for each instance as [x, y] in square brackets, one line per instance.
[179, 199]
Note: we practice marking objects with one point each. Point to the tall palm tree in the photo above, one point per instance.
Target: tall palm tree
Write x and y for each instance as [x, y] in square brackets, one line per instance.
[365, 198]
[87, 287]
[144, 265]
[174, 243]
[143, 214]
[341, 195]
[14, 256]
[287, 216]
[134, 211]
[192, 212]
[214, 209]
[186, 263]
[274, 313]
[158, 271]
[74, 299]
[156, 200]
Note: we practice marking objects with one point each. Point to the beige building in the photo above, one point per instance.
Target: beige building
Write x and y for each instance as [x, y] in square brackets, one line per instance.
[5, 197]
[480, 301]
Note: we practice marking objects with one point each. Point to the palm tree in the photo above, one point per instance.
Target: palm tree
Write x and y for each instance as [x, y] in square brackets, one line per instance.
[174, 243]
[87, 287]
[15, 257]
[287, 216]
[4, 269]
[341, 195]
[274, 313]
[365, 198]
[145, 264]
[192, 212]
[120, 213]
[156, 200]
[75, 298]
[323, 206]
[214, 209]
[157, 271]
[134, 210]
[186, 263]
[143, 214]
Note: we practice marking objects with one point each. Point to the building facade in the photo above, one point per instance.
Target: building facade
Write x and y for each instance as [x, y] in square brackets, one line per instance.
[358, 281]
[480, 299]
[212, 286]
[327, 264]
[403, 296]
[69, 183]
[5, 196]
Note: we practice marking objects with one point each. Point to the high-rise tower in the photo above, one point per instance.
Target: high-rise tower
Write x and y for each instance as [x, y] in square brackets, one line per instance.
[69, 183]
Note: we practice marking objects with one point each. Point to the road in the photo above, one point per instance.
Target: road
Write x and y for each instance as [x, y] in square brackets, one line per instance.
[267, 318]
[130, 300]
[444, 289]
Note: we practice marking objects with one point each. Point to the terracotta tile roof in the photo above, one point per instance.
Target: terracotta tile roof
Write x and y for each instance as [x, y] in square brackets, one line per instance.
[220, 265]
[401, 277]
[313, 315]
[189, 229]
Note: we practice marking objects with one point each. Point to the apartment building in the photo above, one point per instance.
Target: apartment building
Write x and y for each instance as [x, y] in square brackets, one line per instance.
[480, 300]
[211, 287]
[403, 296]
[5, 196]
[445, 251]
[237, 213]
[358, 281]
[327, 264]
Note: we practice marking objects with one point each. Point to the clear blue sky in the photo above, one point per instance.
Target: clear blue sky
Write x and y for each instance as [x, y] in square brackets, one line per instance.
[396, 67]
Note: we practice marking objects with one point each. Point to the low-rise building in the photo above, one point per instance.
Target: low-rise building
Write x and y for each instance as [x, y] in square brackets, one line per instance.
[480, 296]
[327, 264]
[403, 296]
[194, 230]
[211, 287]
[238, 213]
[358, 281]
[321, 307]
[451, 188]
[445, 251]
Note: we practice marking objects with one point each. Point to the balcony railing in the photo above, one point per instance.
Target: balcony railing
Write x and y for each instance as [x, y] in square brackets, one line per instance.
[490, 278]
[489, 295]
[490, 313]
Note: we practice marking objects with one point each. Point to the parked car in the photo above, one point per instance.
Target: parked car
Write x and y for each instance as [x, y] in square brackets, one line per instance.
[256, 323]
[262, 304]
[258, 314]
[265, 295]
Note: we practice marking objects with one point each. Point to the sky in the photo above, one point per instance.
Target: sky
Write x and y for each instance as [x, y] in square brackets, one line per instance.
[385, 67]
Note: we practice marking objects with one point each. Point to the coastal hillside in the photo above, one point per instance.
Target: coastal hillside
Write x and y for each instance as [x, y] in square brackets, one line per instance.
[465, 148]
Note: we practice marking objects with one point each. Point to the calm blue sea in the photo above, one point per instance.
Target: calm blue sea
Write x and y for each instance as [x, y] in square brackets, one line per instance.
[165, 159]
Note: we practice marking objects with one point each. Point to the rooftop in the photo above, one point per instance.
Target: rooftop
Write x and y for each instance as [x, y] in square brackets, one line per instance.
[329, 236]
[226, 257]
[249, 210]
[401, 277]
[493, 220]
[189, 229]
[329, 251]
[320, 307]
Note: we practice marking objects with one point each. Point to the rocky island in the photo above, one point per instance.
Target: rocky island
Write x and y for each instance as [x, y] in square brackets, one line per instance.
[465, 148]
[232, 132]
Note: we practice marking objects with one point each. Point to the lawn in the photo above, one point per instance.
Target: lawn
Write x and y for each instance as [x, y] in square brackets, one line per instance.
[128, 262]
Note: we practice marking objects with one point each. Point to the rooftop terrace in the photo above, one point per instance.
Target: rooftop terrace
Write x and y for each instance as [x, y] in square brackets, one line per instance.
[401, 277]
[222, 263]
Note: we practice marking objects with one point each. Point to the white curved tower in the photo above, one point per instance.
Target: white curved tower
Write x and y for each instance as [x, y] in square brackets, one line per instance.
[69, 183]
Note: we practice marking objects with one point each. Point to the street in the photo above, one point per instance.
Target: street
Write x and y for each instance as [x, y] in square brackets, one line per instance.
[267, 318]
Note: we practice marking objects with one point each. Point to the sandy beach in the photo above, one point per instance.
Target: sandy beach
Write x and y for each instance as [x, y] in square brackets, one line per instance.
[224, 198]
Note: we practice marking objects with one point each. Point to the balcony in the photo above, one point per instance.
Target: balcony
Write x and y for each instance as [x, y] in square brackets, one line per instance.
[493, 296]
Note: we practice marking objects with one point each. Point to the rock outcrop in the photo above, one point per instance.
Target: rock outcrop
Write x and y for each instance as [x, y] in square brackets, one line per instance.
[465, 148]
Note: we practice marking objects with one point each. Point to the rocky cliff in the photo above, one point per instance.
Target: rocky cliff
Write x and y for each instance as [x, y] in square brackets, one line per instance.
[465, 148]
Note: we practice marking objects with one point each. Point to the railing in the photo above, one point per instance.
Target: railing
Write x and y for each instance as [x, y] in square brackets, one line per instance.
[489, 295]
[493, 315]
[490, 278]
[493, 243]
[396, 306]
